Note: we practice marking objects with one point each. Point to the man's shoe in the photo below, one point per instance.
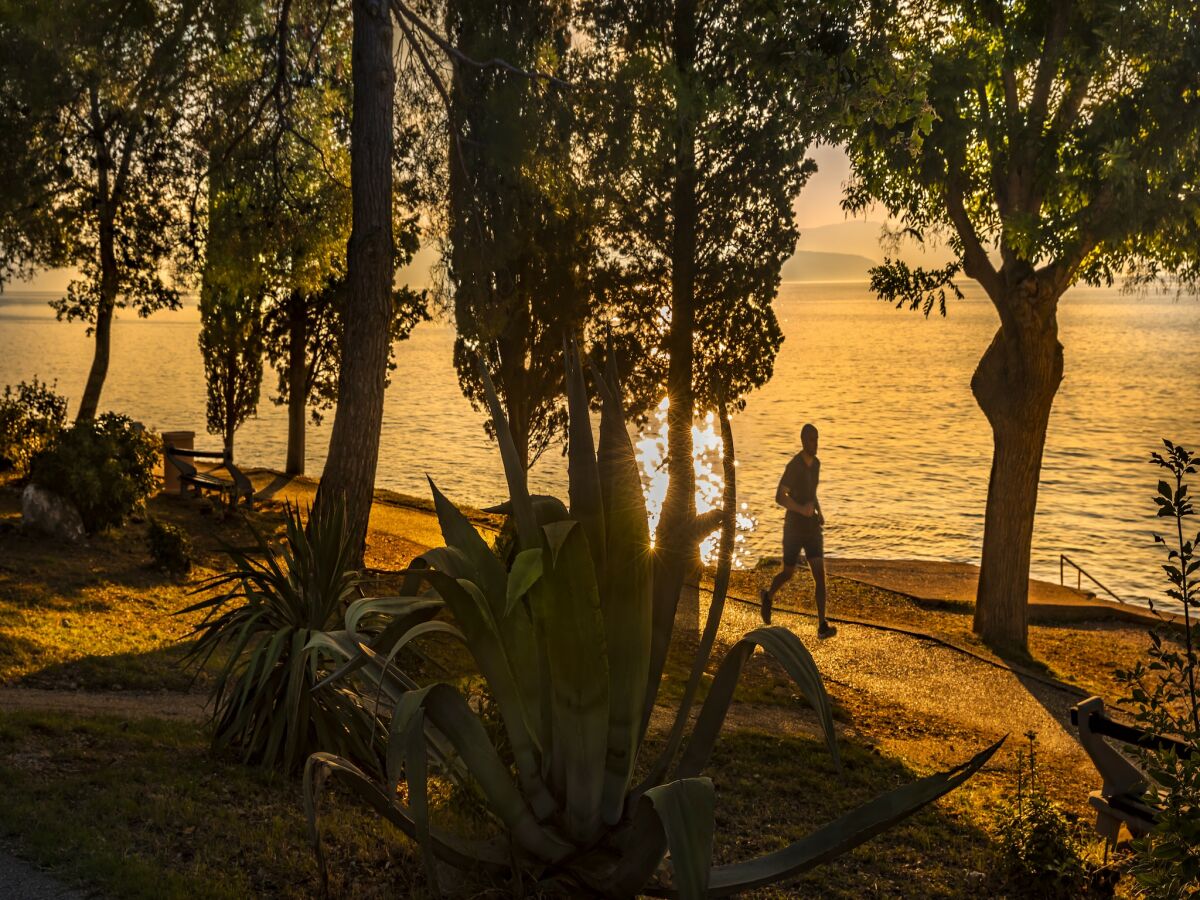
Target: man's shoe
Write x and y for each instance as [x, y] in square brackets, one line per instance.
[825, 630]
[765, 598]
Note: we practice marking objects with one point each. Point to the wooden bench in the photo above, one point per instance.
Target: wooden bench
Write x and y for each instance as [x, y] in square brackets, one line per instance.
[236, 486]
[1122, 796]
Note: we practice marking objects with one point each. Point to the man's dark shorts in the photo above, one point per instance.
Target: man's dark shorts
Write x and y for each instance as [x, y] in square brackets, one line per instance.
[802, 534]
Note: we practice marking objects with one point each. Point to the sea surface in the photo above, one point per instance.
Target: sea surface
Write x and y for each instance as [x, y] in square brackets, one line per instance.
[905, 450]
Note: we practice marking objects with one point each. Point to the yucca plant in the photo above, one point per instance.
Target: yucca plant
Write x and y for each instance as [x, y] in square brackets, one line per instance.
[564, 636]
[263, 615]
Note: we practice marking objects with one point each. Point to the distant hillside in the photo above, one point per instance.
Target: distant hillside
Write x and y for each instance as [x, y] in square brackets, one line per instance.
[814, 265]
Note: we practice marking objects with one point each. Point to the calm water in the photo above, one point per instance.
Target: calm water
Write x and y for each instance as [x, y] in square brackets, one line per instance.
[905, 450]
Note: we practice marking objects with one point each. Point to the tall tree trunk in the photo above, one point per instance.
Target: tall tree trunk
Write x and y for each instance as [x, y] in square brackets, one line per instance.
[349, 475]
[104, 316]
[676, 549]
[231, 399]
[297, 404]
[1014, 384]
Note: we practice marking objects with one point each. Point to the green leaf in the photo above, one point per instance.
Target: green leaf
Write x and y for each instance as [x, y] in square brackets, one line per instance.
[556, 534]
[448, 711]
[527, 568]
[685, 809]
[566, 604]
[796, 660]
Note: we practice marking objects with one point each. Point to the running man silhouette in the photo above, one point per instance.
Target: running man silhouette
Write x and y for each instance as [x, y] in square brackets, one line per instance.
[802, 526]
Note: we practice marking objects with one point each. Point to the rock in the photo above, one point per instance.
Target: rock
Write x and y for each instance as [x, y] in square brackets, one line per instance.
[45, 511]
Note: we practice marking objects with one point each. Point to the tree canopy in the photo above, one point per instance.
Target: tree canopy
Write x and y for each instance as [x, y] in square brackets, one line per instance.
[1046, 143]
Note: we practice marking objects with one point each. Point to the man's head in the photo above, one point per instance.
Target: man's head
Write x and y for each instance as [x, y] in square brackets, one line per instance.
[808, 439]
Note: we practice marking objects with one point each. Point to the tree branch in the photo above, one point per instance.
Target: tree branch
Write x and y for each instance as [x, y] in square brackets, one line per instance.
[402, 10]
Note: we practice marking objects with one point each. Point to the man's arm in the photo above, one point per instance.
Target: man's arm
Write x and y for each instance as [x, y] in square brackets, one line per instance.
[784, 498]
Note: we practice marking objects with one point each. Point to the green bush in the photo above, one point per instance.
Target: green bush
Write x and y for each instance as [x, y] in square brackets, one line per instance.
[267, 617]
[30, 418]
[169, 548]
[105, 467]
[1041, 852]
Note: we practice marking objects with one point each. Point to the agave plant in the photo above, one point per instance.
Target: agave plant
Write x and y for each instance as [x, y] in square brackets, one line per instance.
[263, 615]
[564, 632]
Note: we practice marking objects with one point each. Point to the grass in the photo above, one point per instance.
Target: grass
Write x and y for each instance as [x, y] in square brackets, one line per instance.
[142, 809]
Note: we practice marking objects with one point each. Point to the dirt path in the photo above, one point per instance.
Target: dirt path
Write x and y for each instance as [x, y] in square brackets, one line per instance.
[125, 704]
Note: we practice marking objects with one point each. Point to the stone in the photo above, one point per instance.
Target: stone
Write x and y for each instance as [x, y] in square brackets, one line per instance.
[45, 511]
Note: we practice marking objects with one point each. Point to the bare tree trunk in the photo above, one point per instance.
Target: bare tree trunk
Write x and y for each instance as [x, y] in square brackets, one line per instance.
[104, 315]
[677, 551]
[354, 444]
[297, 404]
[231, 399]
[1014, 384]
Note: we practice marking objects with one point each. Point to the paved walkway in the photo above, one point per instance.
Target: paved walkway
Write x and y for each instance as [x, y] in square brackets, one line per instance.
[956, 583]
[20, 880]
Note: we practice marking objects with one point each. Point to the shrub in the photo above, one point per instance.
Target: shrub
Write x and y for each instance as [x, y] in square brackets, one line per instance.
[106, 467]
[270, 611]
[1041, 852]
[30, 418]
[1163, 699]
[169, 548]
[565, 629]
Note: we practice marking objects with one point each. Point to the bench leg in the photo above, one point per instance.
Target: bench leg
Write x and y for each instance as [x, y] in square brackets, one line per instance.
[1108, 827]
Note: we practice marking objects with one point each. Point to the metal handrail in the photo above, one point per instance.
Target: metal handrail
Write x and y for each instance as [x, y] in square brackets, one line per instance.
[1080, 572]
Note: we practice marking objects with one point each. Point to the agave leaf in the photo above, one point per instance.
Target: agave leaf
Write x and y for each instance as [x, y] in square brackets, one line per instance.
[514, 471]
[448, 711]
[566, 602]
[456, 851]
[460, 534]
[546, 509]
[473, 613]
[527, 568]
[685, 809]
[407, 610]
[842, 834]
[583, 474]
[715, 609]
[626, 599]
[416, 773]
[796, 660]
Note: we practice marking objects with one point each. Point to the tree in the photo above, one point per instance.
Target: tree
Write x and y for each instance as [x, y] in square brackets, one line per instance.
[1050, 144]
[518, 238]
[282, 148]
[105, 110]
[706, 111]
[232, 347]
[349, 476]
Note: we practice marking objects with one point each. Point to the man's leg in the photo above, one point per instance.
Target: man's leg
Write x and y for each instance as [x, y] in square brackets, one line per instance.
[817, 564]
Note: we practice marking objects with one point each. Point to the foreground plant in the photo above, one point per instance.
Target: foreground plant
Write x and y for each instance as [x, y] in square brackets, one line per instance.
[1163, 699]
[263, 618]
[563, 630]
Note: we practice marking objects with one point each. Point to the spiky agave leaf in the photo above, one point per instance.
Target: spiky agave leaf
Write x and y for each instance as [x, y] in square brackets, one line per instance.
[626, 584]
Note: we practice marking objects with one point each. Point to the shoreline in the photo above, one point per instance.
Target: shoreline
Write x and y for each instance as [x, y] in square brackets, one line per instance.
[409, 520]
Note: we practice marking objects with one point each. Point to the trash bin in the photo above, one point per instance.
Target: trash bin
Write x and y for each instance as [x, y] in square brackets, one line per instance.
[181, 440]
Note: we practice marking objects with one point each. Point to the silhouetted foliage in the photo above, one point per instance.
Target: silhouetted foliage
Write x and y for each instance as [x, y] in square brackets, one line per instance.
[101, 160]
[30, 418]
[1163, 699]
[519, 243]
[1046, 144]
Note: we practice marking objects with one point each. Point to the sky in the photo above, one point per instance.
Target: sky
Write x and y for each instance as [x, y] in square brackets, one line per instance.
[817, 207]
